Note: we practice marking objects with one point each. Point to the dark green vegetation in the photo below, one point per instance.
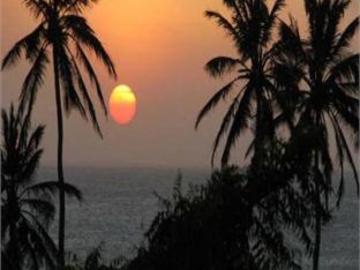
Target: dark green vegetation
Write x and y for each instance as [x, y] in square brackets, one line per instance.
[61, 36]
[298, 94]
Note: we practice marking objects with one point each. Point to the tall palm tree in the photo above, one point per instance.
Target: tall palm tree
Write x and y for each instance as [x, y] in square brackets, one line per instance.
[62, 35]
[321, 73]
[250, 28]
[26, 206]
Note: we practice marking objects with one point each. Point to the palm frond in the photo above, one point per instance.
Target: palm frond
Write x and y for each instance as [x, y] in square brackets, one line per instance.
[221, 94]
[347, 69]
[43, 242]
[75, 6]
[225, 24]
[84, 91]
[30, 45]
[92, 75]
[33, 81]
[326, 160]
[31, 165]
[278, 5]
[38, 7]
[43, 208]
[290, 44]
[83, 33]
[348, 113]
[221, 65]
[24, 134]
[66, 72]
[346, 36]
[271, 19]
[53, 187]
[239, 123]
[347, 152]
[340, 153]
[229, 116]
[34, 140]
[33, 260]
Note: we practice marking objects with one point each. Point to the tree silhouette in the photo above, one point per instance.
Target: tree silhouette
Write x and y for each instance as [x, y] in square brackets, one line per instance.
[26, 206]
[94, 260]
[229, 223]
[250, 28]
[318, 82]
[63, 36]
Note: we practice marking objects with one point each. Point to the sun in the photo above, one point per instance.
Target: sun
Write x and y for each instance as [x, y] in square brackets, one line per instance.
[122, 104]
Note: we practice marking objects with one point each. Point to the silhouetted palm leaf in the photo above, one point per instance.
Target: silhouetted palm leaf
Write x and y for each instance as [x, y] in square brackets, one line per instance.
[27, 206]
[20, 157]
[221, 94]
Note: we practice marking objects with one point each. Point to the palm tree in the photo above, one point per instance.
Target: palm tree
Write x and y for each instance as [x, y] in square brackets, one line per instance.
[250, 28]
[26, 206]
[321, 73]
[62, 35]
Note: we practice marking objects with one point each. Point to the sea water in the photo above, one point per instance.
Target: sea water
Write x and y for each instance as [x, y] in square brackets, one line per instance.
[119, 205]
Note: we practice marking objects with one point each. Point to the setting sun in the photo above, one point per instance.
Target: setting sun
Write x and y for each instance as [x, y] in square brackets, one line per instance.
[122, 104]
[196, 92]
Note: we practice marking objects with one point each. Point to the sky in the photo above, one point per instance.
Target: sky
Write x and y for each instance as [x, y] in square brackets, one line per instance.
[159, 48]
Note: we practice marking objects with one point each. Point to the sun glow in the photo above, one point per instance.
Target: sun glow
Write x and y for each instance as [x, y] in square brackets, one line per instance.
[122, 104]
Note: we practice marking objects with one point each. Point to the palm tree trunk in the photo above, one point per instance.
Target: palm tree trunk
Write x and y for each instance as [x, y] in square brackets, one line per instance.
[316, 255]
[13, 250]
[61, 236]
[13, 253]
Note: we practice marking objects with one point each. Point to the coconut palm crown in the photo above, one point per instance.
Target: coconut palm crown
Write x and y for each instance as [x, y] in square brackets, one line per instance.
[320, 73]
[69, 37]
[250, 27]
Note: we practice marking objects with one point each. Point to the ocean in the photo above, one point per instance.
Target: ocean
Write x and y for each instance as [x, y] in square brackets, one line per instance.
[119, 205]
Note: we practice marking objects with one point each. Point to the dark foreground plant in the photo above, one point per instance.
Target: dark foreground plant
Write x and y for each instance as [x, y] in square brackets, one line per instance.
[319, 73]
[94, 261]
[27, 207]
[238, 220]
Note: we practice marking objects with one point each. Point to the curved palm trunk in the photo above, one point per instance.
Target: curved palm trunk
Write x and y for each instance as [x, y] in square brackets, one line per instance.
[61, 236]
[317, 199]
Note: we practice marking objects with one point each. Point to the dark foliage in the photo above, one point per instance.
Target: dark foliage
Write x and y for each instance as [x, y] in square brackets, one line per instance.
[27, 207]
[238, 220]
[317, 78]
[94, 261]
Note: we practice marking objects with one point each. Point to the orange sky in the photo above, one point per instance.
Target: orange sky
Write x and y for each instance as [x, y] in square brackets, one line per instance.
[159, 48]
